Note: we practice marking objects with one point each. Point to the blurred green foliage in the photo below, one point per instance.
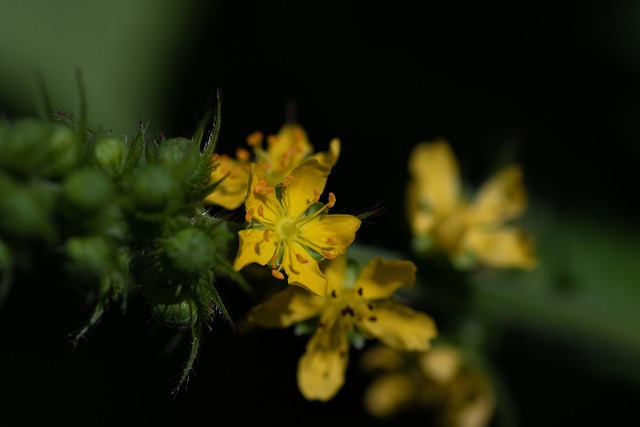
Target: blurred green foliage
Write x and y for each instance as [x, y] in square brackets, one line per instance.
[128, 52]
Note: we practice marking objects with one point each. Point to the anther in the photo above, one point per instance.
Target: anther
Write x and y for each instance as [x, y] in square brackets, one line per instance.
[328, 255]
[332, 200]
[261, 210]
[287, 180]
[301, 259]
[242, 154]
[255, 138]
[263, 188]
[316, 195]
[277, 274]
[248, 215]
[265, 235]
[332, 241]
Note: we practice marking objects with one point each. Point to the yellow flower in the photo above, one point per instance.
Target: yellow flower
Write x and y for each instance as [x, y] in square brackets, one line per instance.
[290, 230]
[439, 380]
[440, 216]
[356, 302]
[285, 150]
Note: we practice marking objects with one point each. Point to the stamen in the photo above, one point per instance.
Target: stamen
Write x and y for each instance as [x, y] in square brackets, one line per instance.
[332, 241]
[332, 200]
[301, 259]
[287, 180]
[328, 255]
[273, 260]
[248, 215]
[277, 274]
[255, 139]
[271, 139]
[265, 235]
[263, 188]
[316, 195]
[261, 210]
[242, 154]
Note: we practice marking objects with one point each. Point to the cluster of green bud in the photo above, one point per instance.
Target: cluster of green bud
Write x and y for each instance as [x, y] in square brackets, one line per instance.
[122, 215]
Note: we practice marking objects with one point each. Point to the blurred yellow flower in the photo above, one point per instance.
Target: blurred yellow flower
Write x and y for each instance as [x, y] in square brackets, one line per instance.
[290, 230]
[285, 150]
[439, 381]
[442, 219]
[232, 176]
[357, 301]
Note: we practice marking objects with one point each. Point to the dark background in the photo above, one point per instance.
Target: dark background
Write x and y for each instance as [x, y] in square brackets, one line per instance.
[553, 85]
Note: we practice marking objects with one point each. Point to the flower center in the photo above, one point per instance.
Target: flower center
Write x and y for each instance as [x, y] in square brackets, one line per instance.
[287, 229]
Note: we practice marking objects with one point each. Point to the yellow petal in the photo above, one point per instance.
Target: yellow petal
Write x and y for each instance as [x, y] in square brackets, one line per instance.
[306, 275]
[334, 271]
[253, 249]
[500, 198]
[285, 308]
[441, 364]
[321, 370]
[422, 220]
[303, 183]
[399, 326]
[329, 157]
[342, 228]
[390, 394]
[254, 200]
[379, 278]
[232, 190]
[505, 247]
[434, 167]
[291, 141]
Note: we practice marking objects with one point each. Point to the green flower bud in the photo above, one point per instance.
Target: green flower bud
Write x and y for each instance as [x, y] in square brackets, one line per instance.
[154, 189]
[89, 255]
[189, 250]
[63, 150]
[88, 189]
[180, 314]
[24, 146]
[25, 210]
[224, 235]
[109, 152]
[180, 152]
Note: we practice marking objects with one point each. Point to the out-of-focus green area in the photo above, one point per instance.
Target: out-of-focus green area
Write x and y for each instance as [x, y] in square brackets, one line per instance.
[127, 52]
[557, 88]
